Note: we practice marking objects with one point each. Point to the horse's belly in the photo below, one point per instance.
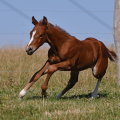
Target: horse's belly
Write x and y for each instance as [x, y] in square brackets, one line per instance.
[84, 65]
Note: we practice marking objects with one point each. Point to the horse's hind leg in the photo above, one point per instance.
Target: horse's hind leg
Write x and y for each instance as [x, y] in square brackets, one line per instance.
[95, 92]
[35, 77]
[99, 71]
[71, 83]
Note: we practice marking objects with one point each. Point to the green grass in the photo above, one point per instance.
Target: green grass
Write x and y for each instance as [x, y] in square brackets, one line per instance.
[74, 105]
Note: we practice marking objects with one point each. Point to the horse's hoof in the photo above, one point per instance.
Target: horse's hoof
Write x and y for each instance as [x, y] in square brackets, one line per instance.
[58, 96]
[20, 97]
[44, 94]
[94, 96]
[22, 94]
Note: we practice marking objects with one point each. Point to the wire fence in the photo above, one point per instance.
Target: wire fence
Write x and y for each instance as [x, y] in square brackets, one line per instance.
[36, 71]
[70, 33]
[18, 71]
[54, 11]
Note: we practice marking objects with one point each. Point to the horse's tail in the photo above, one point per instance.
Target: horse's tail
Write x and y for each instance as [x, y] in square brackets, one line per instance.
[112, 56]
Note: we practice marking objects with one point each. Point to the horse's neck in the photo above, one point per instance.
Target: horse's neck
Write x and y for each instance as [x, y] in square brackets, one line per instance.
[52, 46]
[56, 37]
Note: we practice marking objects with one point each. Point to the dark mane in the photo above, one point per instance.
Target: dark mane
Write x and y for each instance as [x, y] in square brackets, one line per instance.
[61, 29]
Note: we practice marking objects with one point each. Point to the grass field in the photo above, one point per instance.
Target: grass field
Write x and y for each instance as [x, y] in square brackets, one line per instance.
[16, 69]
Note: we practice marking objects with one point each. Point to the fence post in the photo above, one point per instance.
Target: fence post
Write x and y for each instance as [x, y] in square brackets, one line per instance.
[116, 33]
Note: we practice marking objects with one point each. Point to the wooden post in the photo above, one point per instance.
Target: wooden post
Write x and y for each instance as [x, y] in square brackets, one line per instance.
[116, 34]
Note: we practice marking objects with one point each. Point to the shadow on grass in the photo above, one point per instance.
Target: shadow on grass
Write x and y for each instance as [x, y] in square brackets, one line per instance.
[85, 96]
[101, 95]
[34, 97]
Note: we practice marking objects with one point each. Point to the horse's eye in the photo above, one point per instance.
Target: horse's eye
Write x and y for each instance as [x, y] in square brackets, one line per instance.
[41, 36]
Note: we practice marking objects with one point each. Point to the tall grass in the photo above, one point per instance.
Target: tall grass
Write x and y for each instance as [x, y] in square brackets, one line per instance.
[16, 69]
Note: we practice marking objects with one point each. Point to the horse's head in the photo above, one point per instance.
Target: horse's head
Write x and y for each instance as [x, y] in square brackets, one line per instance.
[38, 35]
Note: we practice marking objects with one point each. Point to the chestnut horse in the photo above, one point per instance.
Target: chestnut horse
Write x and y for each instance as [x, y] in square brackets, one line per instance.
[67, 53]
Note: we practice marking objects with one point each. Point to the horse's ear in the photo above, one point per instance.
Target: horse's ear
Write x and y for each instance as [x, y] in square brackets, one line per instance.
[34, 21]
[44, 21]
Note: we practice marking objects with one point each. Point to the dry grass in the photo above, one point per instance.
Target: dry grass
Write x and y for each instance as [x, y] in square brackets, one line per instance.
[16, 69]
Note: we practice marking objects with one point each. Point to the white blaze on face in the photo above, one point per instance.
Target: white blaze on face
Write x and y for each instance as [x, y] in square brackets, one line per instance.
[33, 34]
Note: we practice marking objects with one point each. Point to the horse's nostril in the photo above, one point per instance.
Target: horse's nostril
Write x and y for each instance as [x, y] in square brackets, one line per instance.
[28, 49]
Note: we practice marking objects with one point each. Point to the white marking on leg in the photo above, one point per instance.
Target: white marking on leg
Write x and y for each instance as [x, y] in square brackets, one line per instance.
[58, 96]
[32, 37]
[46, 71]
[22, 94]
[95, 92]
[94, 70]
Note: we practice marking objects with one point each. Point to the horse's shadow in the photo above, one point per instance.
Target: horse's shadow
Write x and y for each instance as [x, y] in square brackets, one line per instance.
[34, 97]
[87, 96]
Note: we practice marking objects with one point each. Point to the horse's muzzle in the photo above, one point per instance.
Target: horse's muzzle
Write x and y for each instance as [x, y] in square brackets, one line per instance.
[29, 50]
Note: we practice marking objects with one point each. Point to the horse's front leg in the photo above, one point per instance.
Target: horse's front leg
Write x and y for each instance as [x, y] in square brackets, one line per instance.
[34, 78]
[51, 69]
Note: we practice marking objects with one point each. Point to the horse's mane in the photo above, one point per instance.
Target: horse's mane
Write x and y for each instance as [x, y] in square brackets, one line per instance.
[61, 29]
[57, 27]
